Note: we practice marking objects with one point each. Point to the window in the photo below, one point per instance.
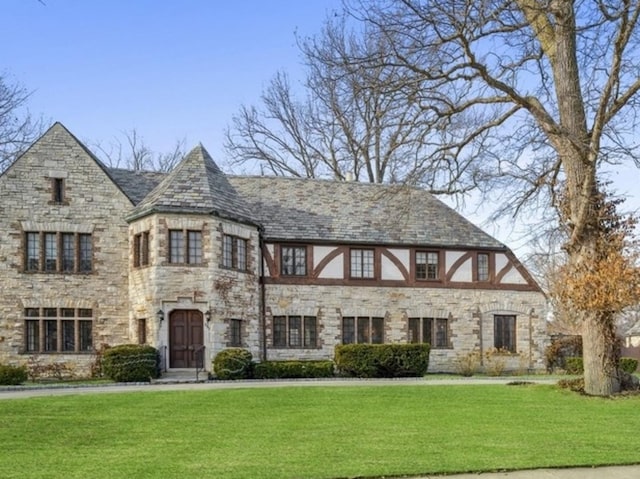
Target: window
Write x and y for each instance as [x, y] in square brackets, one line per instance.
[295, 332]
[141, 249]
[362, 329]
[426, 265]
[293, 260]
[58, 252]
[235, 332]
[142, 331]
[57, 190]
[504, 327]
[362, 263]
[185, 247]
[58, 330]
[234, 252]
[483, 267]
[434, 331]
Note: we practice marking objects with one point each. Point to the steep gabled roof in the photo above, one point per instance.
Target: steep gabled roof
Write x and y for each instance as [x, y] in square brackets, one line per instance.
[196, 185]
[59, 130]
[293, 209]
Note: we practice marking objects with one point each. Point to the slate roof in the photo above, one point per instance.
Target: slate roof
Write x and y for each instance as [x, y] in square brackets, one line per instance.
[195, 185]
[294, 209]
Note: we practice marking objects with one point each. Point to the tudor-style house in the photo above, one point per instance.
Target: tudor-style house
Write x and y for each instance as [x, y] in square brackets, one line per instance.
[194, 261]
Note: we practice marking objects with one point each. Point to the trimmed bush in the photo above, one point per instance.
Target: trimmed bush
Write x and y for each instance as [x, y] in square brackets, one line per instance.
[233, 363]
[628, 365]
[131, 363]
[382, 360]
[574, 365]
[12, 375]
[293, 369]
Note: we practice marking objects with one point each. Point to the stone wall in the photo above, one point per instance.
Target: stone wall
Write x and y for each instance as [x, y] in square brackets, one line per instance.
[92, 204]
[470, 314]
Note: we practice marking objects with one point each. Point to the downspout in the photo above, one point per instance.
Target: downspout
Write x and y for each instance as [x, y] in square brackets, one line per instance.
[263, 305]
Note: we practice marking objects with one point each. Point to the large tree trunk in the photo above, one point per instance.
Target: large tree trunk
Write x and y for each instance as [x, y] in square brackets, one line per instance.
[601, 354]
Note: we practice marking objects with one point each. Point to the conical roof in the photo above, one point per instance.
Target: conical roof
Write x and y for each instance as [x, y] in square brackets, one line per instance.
[196, 185]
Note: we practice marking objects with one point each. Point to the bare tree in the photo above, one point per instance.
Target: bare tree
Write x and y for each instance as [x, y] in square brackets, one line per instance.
[131, 152]
[18, 129]
[352, 122]
[550, 88]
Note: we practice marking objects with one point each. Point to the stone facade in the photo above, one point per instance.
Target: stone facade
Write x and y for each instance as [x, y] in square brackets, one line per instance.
[193, 261]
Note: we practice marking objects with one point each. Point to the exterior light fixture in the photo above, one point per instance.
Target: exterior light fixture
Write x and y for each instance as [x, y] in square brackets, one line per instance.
[160, 315]
[207, 316]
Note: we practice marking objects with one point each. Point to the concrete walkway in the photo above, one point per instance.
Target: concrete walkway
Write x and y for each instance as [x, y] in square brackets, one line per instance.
[608, 472]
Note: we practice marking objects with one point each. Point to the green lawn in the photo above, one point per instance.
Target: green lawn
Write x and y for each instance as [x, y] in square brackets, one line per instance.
[313, 432]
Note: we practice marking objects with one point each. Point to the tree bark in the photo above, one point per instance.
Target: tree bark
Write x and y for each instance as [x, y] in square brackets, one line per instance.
[600, 354]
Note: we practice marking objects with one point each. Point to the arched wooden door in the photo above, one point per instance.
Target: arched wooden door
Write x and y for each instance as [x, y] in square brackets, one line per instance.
[186, 336]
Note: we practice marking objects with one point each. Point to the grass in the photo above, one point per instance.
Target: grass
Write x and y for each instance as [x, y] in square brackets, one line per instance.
[314, 432]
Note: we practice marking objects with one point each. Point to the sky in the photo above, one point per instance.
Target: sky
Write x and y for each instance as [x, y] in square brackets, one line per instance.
[170, 69]
[173, 70]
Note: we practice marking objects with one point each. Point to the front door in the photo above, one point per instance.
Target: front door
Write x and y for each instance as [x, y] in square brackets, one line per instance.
[185, 338]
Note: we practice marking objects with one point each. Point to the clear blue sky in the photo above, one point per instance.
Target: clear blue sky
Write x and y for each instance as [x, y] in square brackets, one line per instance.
[171, 69]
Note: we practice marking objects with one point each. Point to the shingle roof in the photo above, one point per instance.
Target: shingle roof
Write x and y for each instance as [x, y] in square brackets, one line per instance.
[300, 210]
[295, 209]
[196, 185]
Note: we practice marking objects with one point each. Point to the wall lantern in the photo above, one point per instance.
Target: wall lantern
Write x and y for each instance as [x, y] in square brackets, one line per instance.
[207, 315]
[160, 315]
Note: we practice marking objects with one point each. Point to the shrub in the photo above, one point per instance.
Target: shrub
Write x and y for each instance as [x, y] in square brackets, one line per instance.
[12, 375]
[628, 365]
[293, 369]
[131, 363]
[469, 364]
[233, 363]
[382, 360]
[576, 385]
[495, 361]
[574, 365]
[561, 348]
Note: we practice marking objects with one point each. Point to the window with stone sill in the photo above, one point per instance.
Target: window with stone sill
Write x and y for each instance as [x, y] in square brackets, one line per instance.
[58, 252]
[433, 331]
[504, 332]
[141, 249]
[235, 333]
[58, 191]
[58, 330]
[482, 267]
[234, 252]
[185, 247]
[362, 330]
[295, 332]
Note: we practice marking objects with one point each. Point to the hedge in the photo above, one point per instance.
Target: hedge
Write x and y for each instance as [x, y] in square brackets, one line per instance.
[382, 360]
[233, 363]
[12, 375]
[131, 363]
[576, 366]
[293, 369]
[628, 365]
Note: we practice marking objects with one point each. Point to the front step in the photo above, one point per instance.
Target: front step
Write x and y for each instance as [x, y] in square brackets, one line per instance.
[182, 376]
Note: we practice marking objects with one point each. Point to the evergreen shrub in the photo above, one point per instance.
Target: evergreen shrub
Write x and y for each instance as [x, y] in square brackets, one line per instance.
[382, 360]
[12, 375]
[293, 369]
[233, 363]
[131, 363]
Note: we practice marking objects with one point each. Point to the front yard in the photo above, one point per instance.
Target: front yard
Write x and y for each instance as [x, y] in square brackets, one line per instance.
[314, 432]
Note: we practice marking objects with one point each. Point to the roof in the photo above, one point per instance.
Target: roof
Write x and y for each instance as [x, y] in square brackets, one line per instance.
[195, 185]
[296, 209]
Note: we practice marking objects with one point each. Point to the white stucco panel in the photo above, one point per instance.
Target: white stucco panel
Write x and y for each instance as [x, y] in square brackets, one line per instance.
[501, 261]
[389, 270]
[334, 269]
[403, 256]
[320, 253]
[513, 276]
[464, 272]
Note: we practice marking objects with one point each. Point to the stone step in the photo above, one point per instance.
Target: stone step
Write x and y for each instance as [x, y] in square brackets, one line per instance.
[182, 376]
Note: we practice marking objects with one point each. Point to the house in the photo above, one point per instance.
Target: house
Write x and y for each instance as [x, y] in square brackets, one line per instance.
[195, 261]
